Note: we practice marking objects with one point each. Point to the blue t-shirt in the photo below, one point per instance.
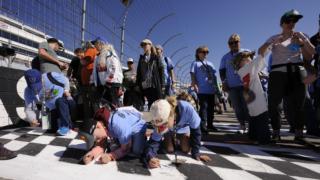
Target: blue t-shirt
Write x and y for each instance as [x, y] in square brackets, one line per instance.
[51, 91]
[205, 83]
[167, 67]
[123, 124]
[232, 78]
[188, 118]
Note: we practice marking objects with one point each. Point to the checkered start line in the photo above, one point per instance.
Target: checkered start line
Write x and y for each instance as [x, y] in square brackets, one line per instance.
[46, 156]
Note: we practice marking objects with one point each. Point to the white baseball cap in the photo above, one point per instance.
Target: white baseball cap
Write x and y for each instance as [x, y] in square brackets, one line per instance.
[130, 60]
[160, 111]
[146, 41]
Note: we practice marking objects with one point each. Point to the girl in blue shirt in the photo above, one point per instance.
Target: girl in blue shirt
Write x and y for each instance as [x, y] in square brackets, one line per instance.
[169, 114]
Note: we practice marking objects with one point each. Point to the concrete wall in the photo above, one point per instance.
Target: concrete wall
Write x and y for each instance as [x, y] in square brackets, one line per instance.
[12, 85]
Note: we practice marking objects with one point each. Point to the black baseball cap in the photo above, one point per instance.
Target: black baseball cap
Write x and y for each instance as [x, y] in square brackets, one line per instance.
[292, 14]
[54, 40]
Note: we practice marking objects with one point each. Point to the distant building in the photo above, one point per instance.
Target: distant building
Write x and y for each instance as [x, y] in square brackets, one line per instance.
[25, 41]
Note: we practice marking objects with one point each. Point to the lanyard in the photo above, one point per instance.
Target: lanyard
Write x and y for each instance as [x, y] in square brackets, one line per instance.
[206, 66]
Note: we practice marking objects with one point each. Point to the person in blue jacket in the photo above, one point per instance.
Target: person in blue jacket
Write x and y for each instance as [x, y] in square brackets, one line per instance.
[167, 115]
[123, 125]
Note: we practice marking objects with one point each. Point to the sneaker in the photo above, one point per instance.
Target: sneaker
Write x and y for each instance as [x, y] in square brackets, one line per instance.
[63, 131]
[242, 129]
[6, 154]
[212, 129]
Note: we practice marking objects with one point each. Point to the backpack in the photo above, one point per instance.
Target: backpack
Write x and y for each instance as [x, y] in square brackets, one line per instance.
[35, 63]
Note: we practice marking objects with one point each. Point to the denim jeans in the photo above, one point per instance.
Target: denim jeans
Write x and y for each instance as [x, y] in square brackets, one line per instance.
[61, 114]
[239, 104]
[206, 110]
[139, 141]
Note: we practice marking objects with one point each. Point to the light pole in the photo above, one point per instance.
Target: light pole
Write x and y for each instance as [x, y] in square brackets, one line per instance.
[83, 25]
[158, 22]
[127, 5]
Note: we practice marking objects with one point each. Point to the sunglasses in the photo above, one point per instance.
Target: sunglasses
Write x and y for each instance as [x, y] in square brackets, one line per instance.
[204, 52]
[233, 42]
[143, 44]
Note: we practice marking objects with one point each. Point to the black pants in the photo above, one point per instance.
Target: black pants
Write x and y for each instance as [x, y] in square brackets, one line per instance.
[312, 124]
[259, 128]
[134, 98]
[316, 104]
[111, 93]
[90, 106]
[294, 90]
[152, 94]
[287, 113]
[206, 112]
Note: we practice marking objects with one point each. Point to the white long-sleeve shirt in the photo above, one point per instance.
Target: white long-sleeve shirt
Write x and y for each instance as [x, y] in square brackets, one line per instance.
[113, 71]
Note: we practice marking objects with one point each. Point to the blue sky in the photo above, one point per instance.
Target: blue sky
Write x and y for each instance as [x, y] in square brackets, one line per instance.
[201, 22]
[211, 22]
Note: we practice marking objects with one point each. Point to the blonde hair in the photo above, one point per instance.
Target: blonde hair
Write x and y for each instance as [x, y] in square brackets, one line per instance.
[172, 100]
[109, 47]
[154, 51]
[239, 57]
[234, 37]
[187, 97]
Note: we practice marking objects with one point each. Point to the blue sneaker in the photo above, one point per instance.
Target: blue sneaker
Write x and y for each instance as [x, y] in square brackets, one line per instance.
[62, 131]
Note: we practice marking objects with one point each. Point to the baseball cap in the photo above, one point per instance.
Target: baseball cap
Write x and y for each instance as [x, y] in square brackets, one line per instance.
[292, 14]
[146, 41]
[130, 60]
[102, 115]
[160, 111]
[33, 79]
[99, 39]
[54, 40]
[159, 47]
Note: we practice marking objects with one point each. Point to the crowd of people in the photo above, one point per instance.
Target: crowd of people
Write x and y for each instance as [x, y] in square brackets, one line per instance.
[113, 127]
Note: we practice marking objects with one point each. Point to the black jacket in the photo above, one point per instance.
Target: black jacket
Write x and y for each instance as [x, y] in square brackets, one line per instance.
[157, 71]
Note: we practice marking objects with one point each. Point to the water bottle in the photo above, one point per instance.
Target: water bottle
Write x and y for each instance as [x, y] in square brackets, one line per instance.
[145, 107]
[45, 119]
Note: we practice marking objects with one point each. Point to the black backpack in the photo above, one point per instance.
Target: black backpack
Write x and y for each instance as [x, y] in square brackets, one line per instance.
[35, 63]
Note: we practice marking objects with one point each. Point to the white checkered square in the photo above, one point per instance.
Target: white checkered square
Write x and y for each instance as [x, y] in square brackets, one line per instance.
[250, 164]
[43, 139]
[15, 145]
